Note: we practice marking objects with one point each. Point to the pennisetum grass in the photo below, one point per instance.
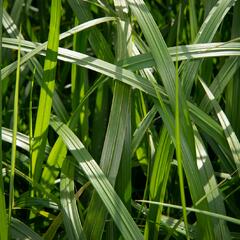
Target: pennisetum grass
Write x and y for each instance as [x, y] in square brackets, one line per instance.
[135, 114]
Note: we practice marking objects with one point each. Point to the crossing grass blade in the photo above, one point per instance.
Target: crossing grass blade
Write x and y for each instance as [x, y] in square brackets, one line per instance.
[71, 217]
[205, 34]
[206, 213]
[211, 187]
[21, 231]
[138, 62]
[233, 87]
[110, 199]
[138, 82]
[149, 154]
[115, 135]
[226, 126]
[166, 69]
[158, 183]
[46, 95]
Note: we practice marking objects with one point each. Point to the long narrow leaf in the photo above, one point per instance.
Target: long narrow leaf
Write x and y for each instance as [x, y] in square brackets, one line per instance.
[46, 95]
[99, 181]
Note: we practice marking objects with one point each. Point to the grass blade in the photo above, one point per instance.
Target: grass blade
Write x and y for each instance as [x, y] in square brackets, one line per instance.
[14, 139]
[21, 231]
[71, 217]
[229, 133]
[46, 95]
[100, 183]
[3, 212]
[119, 120]
[158, 183]
[205, 34]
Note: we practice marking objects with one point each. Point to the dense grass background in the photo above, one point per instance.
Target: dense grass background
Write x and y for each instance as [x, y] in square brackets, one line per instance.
[119, 119]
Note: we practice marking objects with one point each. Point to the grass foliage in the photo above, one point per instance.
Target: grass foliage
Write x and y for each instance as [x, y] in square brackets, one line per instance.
[119, 119]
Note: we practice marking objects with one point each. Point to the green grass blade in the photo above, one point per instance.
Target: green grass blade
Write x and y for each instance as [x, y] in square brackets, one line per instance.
[166, 69]
[46, 95]
[142, 128]
[229, 133]
[21, 231]
[213, 194]
[220, 82]
[158, 183]
[71, 217]
[178, 137]
[233, 88]
[80, 84]
[205, 34]
[14, 139]
[191, 209]
[115, 135]
[100, 183]
[3, 213]
[209, 126]
[193, 19]
[16, 11]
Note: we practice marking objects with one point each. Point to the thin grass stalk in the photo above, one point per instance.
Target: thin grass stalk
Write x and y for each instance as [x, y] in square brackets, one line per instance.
[233, 89]
[196, 210]
[178, 138]
[3, 212]
[31, 124]
[14, 139]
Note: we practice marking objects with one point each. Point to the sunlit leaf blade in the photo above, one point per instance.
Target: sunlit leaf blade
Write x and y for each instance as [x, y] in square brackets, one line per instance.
[191, 209]
[229, 133]
[99, 181]
[71, 217]
[119, 120]
[46, 94]
[211, 188]
[205, 34]
[166, 69]
[158, 183]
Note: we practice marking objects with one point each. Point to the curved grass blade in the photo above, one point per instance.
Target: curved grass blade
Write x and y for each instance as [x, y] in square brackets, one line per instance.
[203, 120]
[138, 62]
[205, 34]
[142, 84]
[211, 187]
[21, 231]
[110, 199]
[166, 70]
[229, 133]
[40, 47]
[196, 210]
[220, 82]
[71, 217]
